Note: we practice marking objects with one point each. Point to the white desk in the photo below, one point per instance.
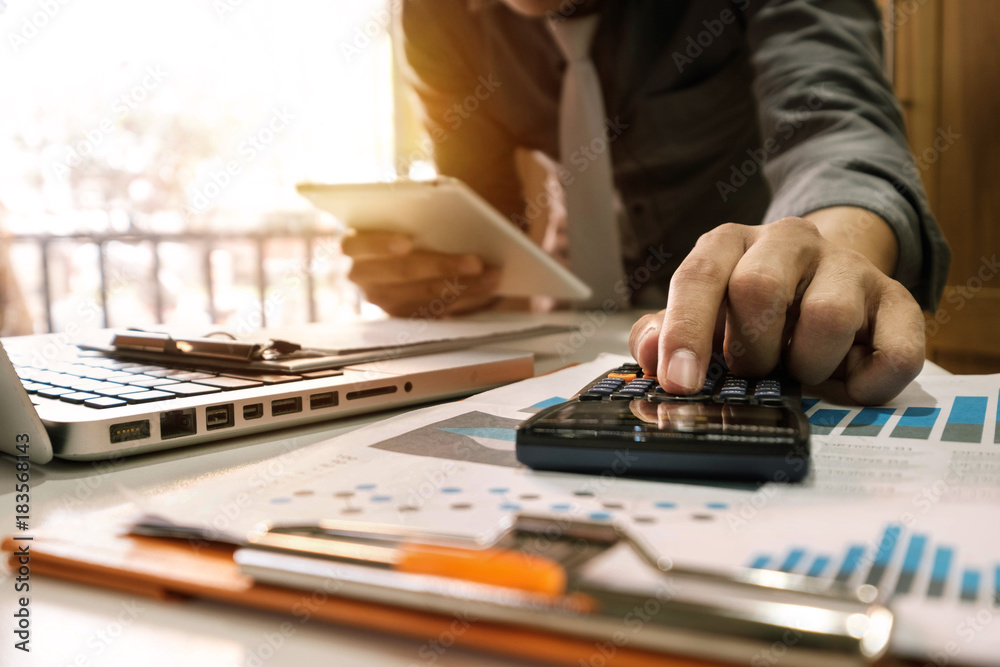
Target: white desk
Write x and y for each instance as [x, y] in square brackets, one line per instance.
[86, 626]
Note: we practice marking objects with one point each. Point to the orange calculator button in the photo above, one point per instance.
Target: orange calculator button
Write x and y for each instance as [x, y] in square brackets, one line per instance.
[622, 376]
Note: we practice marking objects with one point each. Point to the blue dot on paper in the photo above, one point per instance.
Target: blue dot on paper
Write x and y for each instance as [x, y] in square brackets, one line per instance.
[499, 489]
[562, 507]
[365, 487]
[451, 489]
[280, 500]
[381, 499]
[600, 516]
[665, 505]
[510, 507]
[716, 506]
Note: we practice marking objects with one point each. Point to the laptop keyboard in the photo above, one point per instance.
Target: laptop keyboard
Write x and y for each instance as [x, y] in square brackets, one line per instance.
[104, 382]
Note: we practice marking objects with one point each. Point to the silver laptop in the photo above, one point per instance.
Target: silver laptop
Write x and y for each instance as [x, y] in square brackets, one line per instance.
[61, 401]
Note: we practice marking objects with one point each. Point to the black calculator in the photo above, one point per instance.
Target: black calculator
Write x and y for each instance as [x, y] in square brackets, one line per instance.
[624, 424]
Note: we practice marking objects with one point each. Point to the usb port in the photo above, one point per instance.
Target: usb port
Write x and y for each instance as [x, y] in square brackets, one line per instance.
[327, 399]
[219, 416]
[253, 411]
[286, 406]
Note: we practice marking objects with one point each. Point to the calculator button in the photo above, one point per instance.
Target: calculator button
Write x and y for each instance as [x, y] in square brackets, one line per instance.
[679, 398]
[591, 396]
[622, 397]
[736, 399]
[622, 376]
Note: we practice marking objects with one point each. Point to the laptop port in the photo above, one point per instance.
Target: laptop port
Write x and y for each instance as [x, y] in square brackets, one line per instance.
[286, 406]
[219, 416]
[327, 399]
[175, 423]
[126, 431]
[369, 393]
[253, 411]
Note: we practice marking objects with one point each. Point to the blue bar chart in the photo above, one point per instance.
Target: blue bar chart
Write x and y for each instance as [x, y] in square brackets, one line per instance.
[958, 419]
[899, 563]
[966, 419]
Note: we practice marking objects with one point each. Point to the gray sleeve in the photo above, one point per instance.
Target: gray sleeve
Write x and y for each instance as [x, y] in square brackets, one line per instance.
[833, 130]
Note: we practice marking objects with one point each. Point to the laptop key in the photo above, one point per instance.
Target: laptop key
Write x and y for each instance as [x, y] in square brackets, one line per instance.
[87, 385]
[189, 389]
[151, 382]
[53, 392]
[118, 389]
[190, 376]
[78, 397]
[104, 402]
[266, 378]
[229, 383]
[148, 396]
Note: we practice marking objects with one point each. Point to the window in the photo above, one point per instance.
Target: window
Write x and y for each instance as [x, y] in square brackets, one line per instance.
[165, 140]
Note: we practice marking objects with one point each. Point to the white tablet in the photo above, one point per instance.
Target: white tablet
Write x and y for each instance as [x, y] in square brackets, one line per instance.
[445, 215]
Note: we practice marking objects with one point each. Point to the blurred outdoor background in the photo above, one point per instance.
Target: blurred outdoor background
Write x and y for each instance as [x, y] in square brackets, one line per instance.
[151, 151]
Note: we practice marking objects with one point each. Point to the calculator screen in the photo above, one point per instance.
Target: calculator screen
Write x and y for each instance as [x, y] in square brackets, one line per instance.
[643, 415]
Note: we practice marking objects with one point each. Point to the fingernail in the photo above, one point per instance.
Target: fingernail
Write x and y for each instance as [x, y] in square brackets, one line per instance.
[470, 265]
[683, 370]
[400, 246]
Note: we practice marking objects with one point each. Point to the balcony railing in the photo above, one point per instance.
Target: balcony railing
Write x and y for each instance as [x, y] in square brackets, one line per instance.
[316, 248]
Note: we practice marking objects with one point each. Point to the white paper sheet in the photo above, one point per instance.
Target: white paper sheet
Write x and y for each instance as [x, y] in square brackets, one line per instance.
[936, 491]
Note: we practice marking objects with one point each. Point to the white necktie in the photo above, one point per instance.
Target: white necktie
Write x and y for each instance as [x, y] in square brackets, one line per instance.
[594, 242]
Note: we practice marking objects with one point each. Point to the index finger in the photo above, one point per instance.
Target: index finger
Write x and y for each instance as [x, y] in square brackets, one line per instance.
[375, 244]
[697, 290]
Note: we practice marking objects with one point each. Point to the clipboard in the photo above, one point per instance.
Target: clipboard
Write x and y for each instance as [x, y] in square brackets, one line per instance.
[279, 568]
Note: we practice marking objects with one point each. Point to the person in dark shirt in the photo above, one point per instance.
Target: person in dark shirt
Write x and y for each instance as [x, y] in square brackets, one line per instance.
[758, 155]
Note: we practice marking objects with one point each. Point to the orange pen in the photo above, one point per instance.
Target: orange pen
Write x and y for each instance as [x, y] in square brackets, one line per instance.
[490, 565]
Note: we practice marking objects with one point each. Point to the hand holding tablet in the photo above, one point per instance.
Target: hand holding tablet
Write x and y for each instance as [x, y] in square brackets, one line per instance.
[417, 241]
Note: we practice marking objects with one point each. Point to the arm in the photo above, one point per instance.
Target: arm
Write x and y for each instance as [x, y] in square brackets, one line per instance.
[837, 131]
[468, 144]
[471, 144]
[813, 287]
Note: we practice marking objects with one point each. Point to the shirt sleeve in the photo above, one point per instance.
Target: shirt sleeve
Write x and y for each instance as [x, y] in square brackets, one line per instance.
[833, 130]
[469, 142]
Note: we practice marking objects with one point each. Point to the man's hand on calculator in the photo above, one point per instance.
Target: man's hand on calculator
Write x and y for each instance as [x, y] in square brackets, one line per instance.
[783, 292]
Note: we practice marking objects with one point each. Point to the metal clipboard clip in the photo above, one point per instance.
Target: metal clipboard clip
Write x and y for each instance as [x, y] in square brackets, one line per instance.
[213, 348]
[543, 572]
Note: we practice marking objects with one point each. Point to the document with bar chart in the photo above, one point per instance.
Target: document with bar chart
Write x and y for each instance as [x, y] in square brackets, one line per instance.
[905, 497]
[942, 427]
